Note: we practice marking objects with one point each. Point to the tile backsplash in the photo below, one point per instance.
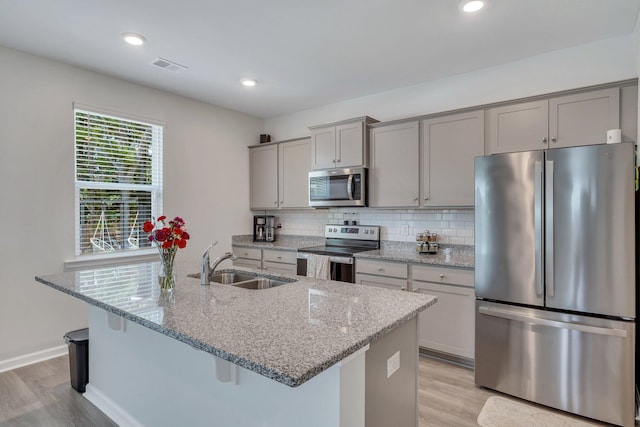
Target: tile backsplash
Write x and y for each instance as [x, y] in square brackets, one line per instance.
[455, 226]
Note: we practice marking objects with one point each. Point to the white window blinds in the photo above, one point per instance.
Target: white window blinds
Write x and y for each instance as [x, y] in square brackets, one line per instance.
[118, 181]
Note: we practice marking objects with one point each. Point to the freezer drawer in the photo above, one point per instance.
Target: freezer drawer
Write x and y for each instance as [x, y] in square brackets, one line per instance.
[578, 364]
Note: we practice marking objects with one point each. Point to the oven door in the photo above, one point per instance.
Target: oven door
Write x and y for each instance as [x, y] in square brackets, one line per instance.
[341, 267]
[337, 187]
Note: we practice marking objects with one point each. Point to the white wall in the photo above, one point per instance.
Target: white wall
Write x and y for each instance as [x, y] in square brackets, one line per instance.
[206, 182]
[590, 64]
[594, 63]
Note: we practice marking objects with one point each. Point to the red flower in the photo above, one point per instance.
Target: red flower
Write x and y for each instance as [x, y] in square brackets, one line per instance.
[167, 237]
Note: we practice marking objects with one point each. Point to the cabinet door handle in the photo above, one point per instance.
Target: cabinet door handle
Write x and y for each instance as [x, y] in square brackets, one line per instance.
[544, 140]
[426, 198]
[442, 275]
[279, 257]
[281, 201]
[275, 203]
[380, 268]
[415, 200]
[554, 140]
[403, 288]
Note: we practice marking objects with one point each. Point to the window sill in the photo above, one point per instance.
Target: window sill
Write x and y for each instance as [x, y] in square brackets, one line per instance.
[105, 260]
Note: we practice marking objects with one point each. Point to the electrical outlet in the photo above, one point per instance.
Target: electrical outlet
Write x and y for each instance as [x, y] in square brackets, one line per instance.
[393, 364]
[404, 230]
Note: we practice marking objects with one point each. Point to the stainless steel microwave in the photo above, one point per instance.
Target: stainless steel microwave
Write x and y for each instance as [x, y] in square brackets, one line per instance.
[338, 187]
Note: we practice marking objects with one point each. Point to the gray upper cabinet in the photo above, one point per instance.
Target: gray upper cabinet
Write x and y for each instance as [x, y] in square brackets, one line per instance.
[293, 173]
[519, 127]
[393, 175]
[263, 163]
[279, 175]
[564, 121]
[449, 145]
[340, 145]
[583, 119]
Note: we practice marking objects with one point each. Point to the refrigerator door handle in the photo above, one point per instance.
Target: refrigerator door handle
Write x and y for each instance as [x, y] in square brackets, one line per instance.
[538, 226]
[548, 183]
[509, 315]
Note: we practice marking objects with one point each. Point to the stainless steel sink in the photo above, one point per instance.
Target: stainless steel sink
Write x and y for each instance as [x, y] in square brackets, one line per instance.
[259, 283]
[246, 280]
[231, 278]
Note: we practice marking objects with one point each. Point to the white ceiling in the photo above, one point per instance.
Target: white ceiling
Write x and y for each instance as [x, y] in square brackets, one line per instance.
[304, 53]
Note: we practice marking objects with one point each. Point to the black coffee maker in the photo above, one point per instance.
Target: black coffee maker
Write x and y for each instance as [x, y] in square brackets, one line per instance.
[264, 228]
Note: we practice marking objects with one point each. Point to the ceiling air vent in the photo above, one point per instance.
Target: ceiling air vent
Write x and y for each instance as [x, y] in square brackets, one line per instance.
[168, 65]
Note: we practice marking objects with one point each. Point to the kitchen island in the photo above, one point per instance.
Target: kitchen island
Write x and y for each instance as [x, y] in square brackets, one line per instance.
[297, 354]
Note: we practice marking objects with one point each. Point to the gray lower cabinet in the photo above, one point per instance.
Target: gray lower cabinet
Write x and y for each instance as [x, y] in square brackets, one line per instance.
[382, 274]
[448, 326]
[276, 261]
[271, 260]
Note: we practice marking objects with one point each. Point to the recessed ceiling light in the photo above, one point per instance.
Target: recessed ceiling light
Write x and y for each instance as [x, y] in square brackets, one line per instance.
[473, 6]
[249, 82]
[134, 38]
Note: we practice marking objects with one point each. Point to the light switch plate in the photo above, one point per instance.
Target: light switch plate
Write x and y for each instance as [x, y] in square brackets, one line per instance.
[393, 364]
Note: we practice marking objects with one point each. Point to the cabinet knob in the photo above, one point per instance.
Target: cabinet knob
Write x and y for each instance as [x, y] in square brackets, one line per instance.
[380, 268]
[544, 140]
[279, 257]
[415, 200]
[442, 275]
[554, 140]
[281, 201]
[275, 203]
[246, 254]
[403, 288]
[415, 290]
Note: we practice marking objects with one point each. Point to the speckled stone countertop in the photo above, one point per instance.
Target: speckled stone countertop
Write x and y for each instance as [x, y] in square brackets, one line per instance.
[448, 255]
[283, 242]
[288, 333]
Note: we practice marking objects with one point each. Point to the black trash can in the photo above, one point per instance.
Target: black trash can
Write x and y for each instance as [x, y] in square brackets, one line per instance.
[78, 342]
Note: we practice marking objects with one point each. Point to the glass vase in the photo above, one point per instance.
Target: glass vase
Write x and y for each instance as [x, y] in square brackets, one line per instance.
[167, 275]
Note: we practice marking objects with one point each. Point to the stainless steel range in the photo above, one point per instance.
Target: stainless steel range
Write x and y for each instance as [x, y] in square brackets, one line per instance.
[341, 243]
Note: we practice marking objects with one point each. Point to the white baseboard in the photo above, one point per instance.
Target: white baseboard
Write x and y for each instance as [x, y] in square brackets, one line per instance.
[28, 359]
[111, 409]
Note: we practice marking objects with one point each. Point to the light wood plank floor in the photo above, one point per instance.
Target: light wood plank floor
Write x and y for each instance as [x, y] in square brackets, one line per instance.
[40, 395]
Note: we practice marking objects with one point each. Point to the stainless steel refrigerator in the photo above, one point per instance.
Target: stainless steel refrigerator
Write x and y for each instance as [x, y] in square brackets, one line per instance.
[555, 278]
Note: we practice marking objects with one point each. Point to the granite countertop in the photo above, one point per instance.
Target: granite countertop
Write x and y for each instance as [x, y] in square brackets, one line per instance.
[288, 333]
[448, 255]
[283, 242]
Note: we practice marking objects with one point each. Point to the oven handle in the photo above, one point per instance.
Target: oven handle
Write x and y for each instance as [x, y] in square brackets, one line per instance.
[334, 259]
[350, 187]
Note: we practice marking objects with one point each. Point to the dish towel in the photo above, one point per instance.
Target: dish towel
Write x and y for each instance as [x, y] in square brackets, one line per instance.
[318, 267]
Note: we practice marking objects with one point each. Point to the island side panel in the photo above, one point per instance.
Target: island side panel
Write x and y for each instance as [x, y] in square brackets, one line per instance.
[151, 379]
[392, 378]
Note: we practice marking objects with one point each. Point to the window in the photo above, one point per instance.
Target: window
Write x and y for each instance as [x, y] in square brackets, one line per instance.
[118, 181]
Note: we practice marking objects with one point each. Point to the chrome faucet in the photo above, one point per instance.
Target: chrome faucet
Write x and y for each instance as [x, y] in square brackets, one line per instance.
[207, 269]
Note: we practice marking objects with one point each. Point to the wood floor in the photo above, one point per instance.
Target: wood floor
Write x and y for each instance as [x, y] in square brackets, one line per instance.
[40, 395]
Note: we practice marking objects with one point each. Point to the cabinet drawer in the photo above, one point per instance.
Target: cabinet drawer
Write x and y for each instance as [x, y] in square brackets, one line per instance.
[251, 253]
[287, 257]
[277, 267]
[249, 263]
[381, 268]
[382, 282]
[436, 274]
